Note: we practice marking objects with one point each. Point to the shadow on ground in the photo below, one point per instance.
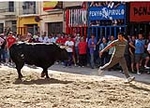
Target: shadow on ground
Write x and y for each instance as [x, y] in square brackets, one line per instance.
[41, 81]
[139, 88]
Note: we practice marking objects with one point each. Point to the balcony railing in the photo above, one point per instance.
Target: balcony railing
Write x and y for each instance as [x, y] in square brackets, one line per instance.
[4, 10]
[29, 11]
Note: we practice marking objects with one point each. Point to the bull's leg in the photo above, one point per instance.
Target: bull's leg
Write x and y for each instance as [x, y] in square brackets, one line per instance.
[19, 74]
[19, 67]
[44, 72]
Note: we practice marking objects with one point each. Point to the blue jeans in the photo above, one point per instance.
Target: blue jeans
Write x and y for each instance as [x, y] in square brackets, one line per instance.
[4, 55]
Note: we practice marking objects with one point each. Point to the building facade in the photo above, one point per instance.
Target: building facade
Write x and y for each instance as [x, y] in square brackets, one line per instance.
[76, 19]
[139, 18]
[8, 18]
[26, 17]
[54, 18]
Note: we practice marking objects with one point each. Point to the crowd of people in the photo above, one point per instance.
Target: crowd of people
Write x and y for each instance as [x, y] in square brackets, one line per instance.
[83, 51]
[137, 52]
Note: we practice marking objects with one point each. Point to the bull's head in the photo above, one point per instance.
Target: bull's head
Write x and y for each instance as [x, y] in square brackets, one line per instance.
[63, 54]
[63, 47]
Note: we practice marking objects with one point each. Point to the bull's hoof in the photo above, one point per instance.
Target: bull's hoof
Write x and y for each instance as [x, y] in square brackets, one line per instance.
[47, 77]
[20, 77]
[43, 74]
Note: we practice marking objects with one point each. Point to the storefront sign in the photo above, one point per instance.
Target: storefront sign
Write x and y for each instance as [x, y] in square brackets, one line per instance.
[140, 12]
[107, 13]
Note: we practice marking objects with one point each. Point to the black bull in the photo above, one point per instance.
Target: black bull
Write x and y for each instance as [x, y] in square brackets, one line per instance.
[41, 55]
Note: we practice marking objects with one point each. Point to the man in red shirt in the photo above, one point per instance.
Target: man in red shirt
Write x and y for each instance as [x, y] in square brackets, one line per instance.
[82, 46]
[60, 40]
[10, 40]
[65, 38]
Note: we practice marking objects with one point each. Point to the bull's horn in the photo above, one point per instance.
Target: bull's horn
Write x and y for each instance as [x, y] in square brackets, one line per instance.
[62, 47]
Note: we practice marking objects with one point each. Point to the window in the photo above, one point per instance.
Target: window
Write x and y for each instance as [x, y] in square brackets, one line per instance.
[14, 26]
[56, 27]
[11, 6]
[29, 7]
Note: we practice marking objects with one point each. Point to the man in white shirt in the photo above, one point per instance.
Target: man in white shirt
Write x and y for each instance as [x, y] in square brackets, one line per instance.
[54, 38]
[69, 47]
[43, 38]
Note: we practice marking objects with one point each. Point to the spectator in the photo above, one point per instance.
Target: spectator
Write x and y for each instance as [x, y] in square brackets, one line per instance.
[148, 48]
[43, 38]
[146, 54]
[92, 47]
[132, 52]
[4, 50]
[36, 37]
[73, 55]
[10, 40]
[126, 53]
[82, 46]
[69, 47]
[60, 40]
[1, 43]
[139, 51]
[54, 38]
[77, 40]
[111, 50]
[104, 57]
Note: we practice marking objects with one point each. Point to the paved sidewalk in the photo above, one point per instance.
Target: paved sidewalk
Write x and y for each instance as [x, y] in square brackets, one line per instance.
[145, 78]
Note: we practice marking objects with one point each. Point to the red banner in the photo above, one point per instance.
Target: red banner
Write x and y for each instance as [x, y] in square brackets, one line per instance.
[140, 12]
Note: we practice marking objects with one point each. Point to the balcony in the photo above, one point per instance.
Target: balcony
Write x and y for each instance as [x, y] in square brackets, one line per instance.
[28, 12]
[28, 8]
[8, 11]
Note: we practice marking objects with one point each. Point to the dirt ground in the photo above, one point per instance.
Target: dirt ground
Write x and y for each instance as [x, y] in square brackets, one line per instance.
[65, 90]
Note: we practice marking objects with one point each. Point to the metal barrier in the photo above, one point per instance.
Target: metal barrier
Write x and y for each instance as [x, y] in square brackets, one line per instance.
[105, 31]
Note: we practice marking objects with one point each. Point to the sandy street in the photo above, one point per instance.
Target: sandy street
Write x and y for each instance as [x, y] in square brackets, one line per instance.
[68, 90]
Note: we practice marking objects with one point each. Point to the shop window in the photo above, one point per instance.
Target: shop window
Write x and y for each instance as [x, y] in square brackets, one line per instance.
[55, 28]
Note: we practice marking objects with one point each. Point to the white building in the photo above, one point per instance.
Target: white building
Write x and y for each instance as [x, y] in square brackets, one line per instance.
[8, 16]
